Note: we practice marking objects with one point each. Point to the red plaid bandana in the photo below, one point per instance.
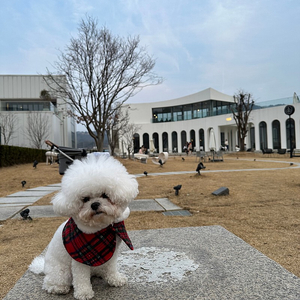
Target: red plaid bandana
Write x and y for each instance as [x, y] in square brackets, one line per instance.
[93, 249]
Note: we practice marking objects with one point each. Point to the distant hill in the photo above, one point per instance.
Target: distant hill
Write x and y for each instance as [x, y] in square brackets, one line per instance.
[84, 140]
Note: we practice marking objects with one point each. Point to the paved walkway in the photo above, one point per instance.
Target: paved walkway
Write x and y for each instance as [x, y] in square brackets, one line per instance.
[11, 205]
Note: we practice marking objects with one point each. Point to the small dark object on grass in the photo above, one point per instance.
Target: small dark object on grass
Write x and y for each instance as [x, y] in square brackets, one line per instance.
[177, 188]
[291, 164]
[254, 159]
[25, 214]
[35, 163]
[146, 173]
[160, 162]
[200, 167]
[23, 183]
[182, 158]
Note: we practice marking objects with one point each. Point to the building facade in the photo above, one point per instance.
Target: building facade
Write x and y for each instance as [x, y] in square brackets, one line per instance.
[20, 100]
[206, 120]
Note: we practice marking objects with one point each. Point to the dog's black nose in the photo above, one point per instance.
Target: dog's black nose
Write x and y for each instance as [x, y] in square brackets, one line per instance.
[95, 205]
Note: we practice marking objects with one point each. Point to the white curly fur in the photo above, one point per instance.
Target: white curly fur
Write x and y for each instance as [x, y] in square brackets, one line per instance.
[96, 179]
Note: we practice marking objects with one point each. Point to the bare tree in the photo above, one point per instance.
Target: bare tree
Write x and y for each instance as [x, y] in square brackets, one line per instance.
[37, 129]
[241, 111]
[99, 73]
[7, 126]
[115, 125]
[127, 133]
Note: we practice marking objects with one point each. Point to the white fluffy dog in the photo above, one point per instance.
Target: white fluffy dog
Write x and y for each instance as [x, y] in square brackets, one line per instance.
[95, 195]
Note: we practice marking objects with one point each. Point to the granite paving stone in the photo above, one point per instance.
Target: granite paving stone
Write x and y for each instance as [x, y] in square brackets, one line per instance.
[8, 212]
[46, 188]
[55, 184]
[217, 265]
[41, 211]
[30, 193]
[145, 205]
[13, 200]
[167, 204]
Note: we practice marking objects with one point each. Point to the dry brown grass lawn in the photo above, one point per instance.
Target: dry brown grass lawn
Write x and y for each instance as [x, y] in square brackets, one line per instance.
[262, 207]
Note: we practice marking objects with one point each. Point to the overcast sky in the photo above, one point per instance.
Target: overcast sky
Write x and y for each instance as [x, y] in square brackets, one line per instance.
[227, 45]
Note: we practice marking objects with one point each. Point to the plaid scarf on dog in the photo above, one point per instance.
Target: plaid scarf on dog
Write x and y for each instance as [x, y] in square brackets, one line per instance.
[93, 249]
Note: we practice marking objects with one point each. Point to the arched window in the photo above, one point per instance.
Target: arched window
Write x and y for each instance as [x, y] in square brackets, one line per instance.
[165, 142]
[263, 138]
[183, 139]
[146, 140]
[156, 141]
[136, 142]
[201, 139]
[276, 134]
[174, 142]
[193, 138]
[290, 133]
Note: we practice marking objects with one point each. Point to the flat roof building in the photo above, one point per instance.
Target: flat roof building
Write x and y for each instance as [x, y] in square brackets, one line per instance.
[206, 120]
[21, 102]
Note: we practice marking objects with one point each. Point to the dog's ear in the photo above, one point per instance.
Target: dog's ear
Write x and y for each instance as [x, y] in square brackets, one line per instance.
[61, 206]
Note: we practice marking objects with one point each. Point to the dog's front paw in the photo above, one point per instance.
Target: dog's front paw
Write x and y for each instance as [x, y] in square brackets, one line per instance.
[116, 279]
[84, 294]
[57, 289]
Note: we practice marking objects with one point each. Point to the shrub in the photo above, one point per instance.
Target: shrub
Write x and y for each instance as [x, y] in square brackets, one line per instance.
[11, 155]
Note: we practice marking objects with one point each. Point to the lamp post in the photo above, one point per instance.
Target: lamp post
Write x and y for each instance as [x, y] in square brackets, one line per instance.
[133, 147]
[289, 110]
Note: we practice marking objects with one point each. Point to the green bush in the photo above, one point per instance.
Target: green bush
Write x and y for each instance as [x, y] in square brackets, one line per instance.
[11, 155]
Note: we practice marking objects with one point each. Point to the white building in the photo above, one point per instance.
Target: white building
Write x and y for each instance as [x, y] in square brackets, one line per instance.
[20, 95]
[205, 118]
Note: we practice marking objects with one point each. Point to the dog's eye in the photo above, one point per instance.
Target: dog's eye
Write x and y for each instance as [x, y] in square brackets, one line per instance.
[86, 199]
[104, 195]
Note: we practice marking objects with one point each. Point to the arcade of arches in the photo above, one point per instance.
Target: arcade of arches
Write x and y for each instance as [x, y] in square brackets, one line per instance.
[179, 139]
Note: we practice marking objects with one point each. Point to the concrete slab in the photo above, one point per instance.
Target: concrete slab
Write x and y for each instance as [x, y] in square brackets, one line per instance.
[8, 212]
[55, 184]
[46, 188]
[13, 200]
[204, 263]
[15, 204]
[145, 205]
[177, 213]
[41, 211]
[28, 193]
[167, 204]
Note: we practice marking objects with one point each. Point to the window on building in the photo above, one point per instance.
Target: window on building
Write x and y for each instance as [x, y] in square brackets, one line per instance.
[28, 106]
[290, 133]
[177, 113]
[165, 142]
[276, 134]
[263, 139]
[146, 140]
[187, 112]
[197, 112]
[174, 142]
[191, 111]
[205, 109]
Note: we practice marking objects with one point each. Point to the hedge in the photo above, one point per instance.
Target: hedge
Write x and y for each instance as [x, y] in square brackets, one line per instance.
[11, 155]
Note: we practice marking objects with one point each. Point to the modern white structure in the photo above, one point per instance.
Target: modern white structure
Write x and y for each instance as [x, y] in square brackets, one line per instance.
[205, 119]
[20, 96]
